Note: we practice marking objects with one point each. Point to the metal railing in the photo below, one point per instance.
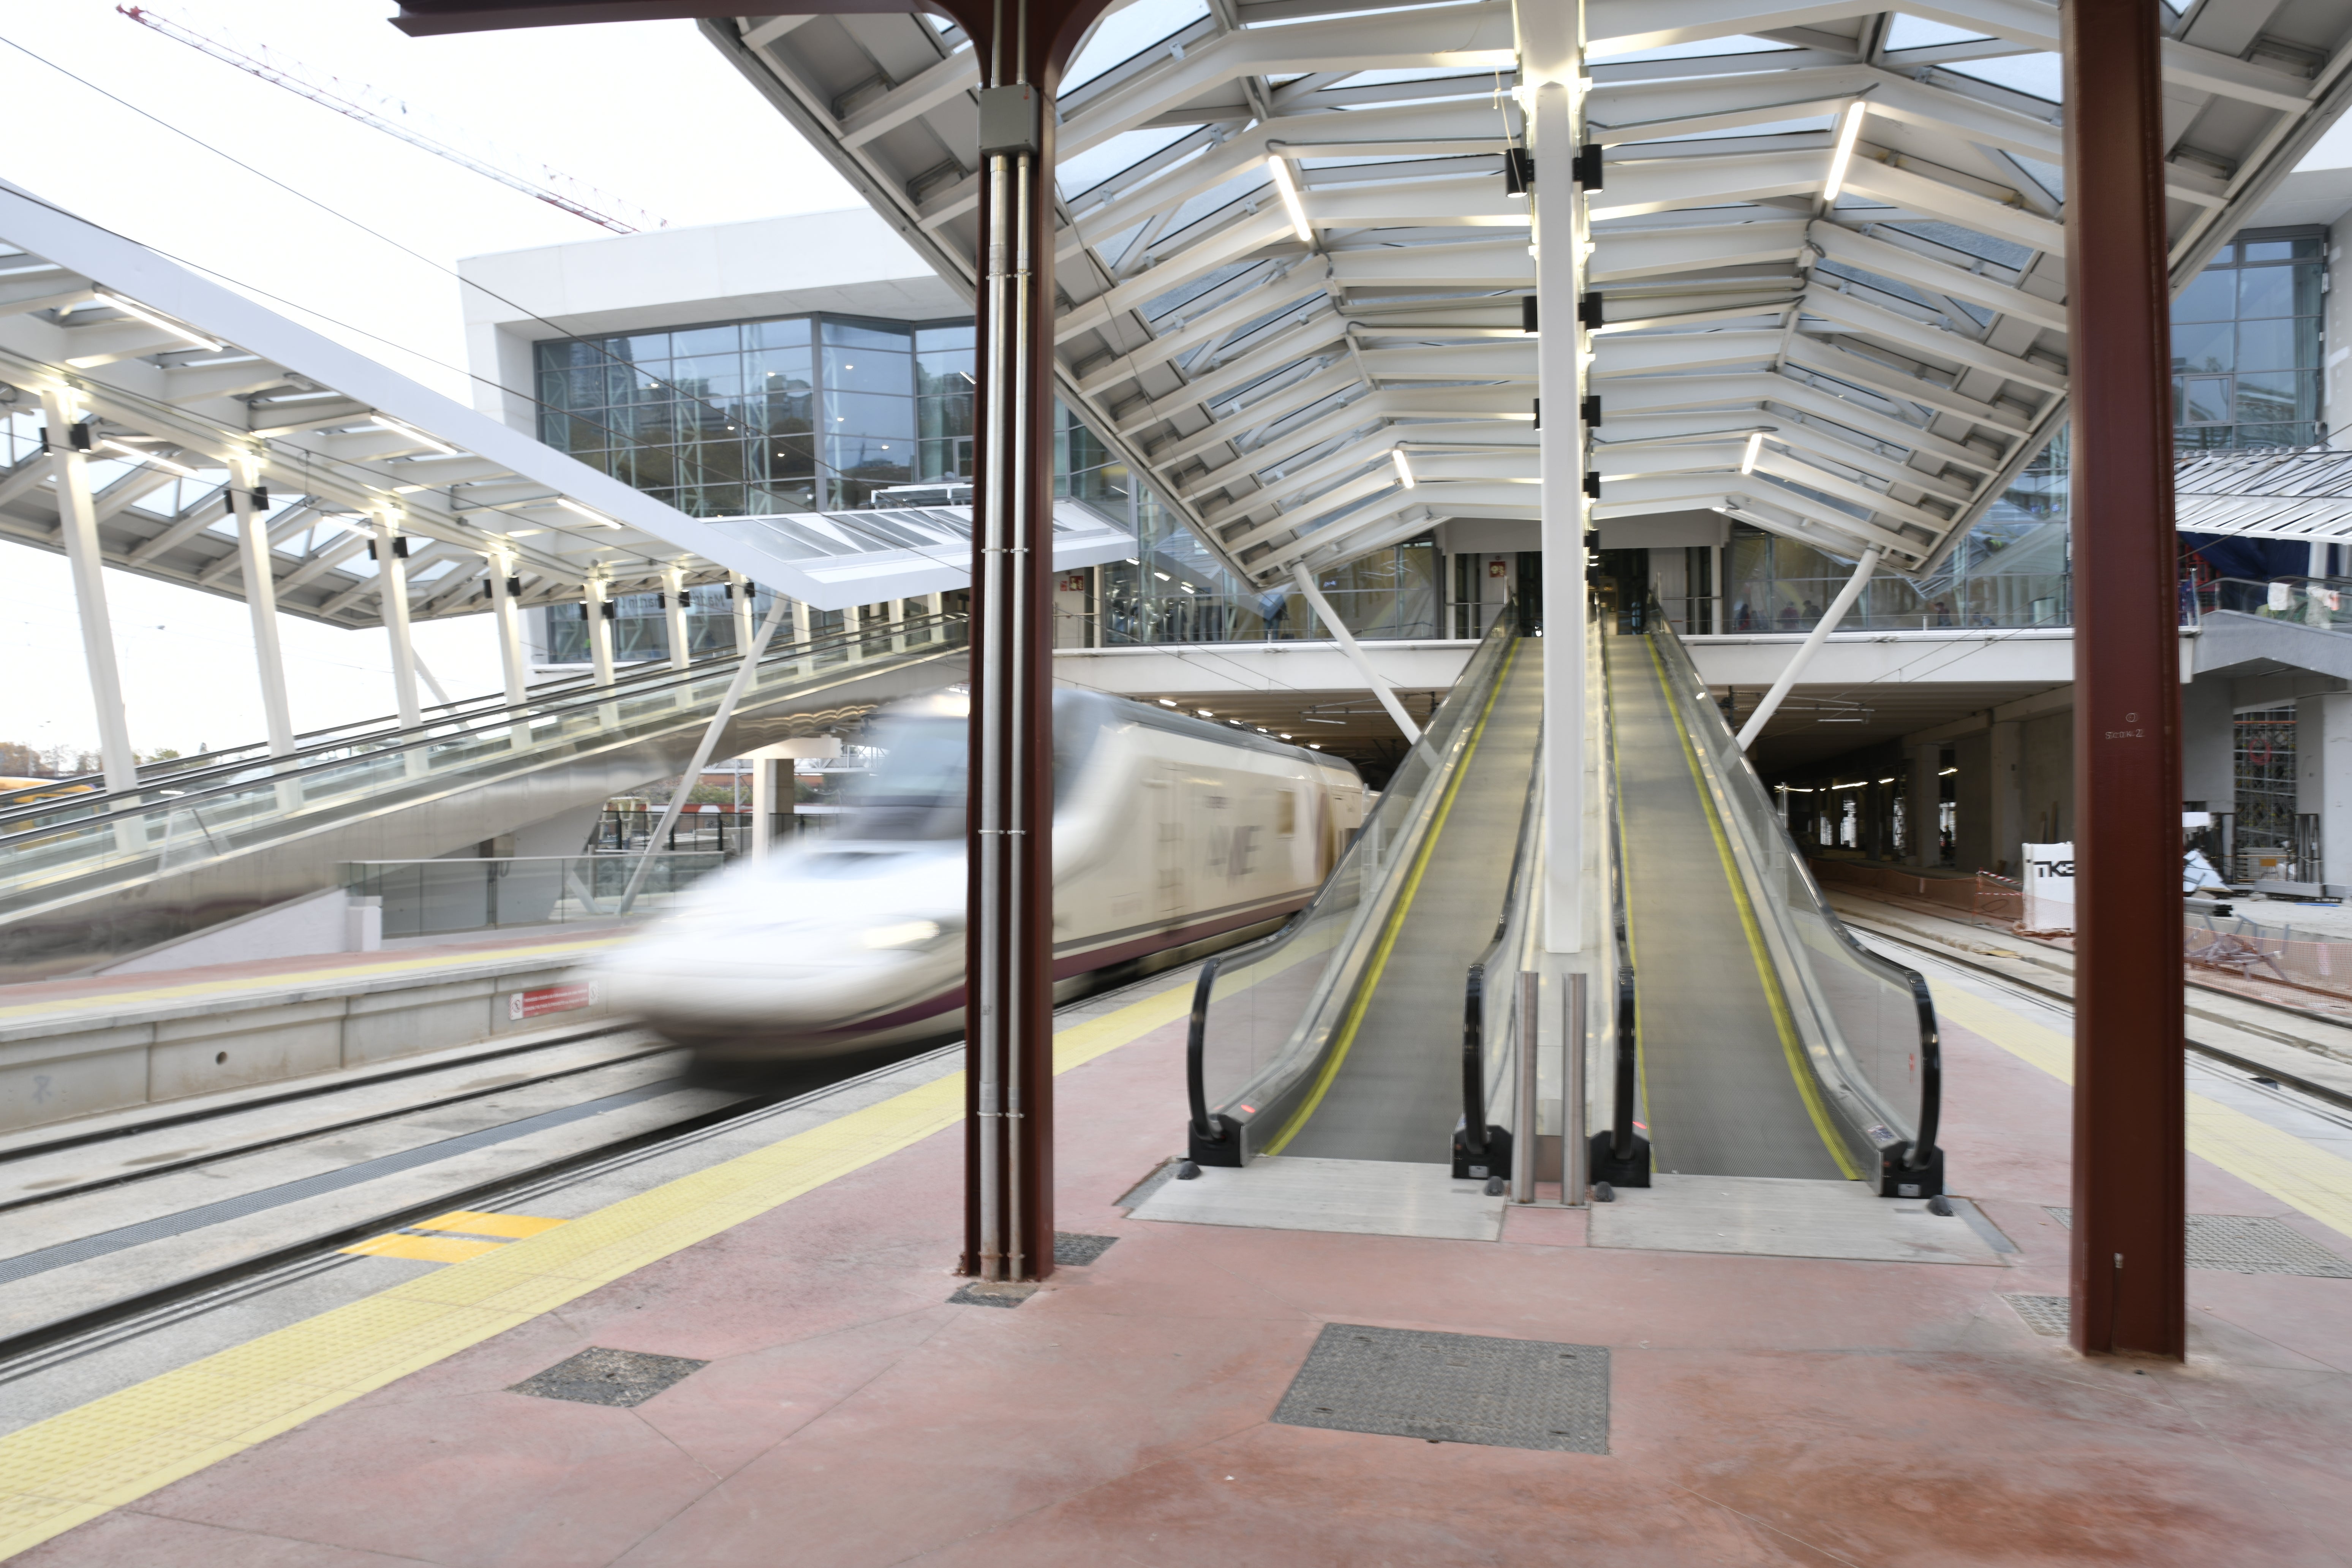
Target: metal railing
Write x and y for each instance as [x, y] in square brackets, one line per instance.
[1267, 1017]
[56, 846]
[2324, 603]
[447, 897]
[1867, 1024]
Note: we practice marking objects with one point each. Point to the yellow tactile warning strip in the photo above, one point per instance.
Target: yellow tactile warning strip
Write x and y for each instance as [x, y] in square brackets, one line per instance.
[308, 976]
[472, 1222]
[453, 1237]
[75, 1466]
[2298, 1174]
[424, 1248]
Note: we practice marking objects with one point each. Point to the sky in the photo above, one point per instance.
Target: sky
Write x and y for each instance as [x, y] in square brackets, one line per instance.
[646, 111]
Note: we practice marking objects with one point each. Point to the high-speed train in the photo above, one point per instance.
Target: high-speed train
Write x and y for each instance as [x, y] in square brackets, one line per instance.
[1172, 836]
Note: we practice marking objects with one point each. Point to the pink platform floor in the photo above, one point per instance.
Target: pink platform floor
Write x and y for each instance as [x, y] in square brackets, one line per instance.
[1764, 1410]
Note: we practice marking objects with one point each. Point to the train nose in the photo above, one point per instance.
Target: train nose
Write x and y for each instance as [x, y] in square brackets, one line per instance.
[805, 974]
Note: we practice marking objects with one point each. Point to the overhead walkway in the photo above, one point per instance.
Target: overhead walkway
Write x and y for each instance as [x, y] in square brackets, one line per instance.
[1734, 1027]
[206, 839]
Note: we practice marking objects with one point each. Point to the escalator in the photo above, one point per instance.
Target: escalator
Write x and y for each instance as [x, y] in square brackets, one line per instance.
[1732, 1025]
[210, 838]
[1391, 1091]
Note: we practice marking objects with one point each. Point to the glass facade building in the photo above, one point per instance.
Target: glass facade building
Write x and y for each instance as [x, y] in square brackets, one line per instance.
[798, 413]
[2246, 338]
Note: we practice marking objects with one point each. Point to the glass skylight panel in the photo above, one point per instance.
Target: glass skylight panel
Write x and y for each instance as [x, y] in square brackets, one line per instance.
[1917, 33]
[1082, 172]
[1127, 33]
[2036, 76]
[1697, 49]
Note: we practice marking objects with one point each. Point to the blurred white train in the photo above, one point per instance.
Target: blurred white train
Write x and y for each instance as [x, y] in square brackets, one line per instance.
[1172, 837]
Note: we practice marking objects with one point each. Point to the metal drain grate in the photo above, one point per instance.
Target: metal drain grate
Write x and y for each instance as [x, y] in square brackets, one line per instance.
[2249, 1244]
[609, 1377]
[1453, 1388]
[2044, 1314]
[1074, 1251]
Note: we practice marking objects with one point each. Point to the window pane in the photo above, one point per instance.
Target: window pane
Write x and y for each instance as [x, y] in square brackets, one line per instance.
[2211, 297]
[868, 370]
[709, 375]
[708, 341]
[864, 413]
[2266, 345]
[2266, 292]
[642, 346]
[859, 335]
[960, 336]
[2207, 401]
[2203, 346]
[791, 333]
[2267, 397]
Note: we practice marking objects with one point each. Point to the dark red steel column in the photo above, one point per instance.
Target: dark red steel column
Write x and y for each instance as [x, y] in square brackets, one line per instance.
[2130, 1201]
[1009, 964]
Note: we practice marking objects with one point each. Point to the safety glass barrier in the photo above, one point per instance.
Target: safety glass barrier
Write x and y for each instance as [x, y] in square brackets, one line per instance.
[1264, 1015]
[1864, 1024]
[46, 858]
[437, 898]
[2324, 603]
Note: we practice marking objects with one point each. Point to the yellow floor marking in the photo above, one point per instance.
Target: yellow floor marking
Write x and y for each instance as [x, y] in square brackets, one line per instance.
[513, 1225]
[75, 1466]
[254, 982]
[424, 1248]
[1791, 1046]
[2295, 1172]
[1371, 977]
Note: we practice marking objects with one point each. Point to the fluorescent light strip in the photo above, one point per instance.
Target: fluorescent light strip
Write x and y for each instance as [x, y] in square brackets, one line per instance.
[144, 456]
[1403, 468]
[1849, 132]
[401, 427]
[1287, 183]
[163, 323]
[597, 517]
[1755, 447]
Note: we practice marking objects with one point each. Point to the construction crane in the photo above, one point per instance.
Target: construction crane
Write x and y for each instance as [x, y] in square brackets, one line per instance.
[596, 206]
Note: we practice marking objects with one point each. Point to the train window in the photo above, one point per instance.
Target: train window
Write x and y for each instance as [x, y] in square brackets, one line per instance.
[1286, 814]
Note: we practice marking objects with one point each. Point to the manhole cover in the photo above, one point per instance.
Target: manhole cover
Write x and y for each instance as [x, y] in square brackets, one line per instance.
[981, 1293]
[2249, 1244]
[1076, 1251]
[609, 1377]
[2043, 1314]
[1453, 1388]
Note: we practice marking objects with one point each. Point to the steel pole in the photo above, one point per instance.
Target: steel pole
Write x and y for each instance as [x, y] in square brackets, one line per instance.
[1810, 647]
[1010, 1210]
[2130, 1210]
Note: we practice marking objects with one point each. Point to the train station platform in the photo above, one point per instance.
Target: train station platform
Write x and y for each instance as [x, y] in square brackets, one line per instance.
[781, 1364]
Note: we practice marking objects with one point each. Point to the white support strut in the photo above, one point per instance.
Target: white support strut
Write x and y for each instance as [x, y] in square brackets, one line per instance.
[744, 671]
[1810, 645]
[1340, 634]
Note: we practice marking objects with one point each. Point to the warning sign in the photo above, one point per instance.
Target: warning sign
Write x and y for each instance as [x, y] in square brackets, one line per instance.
[551, 999]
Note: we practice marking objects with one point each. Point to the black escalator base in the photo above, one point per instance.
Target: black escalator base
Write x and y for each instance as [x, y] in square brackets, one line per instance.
[1896, 1179]
[1494, 1160]
[1632, 1171]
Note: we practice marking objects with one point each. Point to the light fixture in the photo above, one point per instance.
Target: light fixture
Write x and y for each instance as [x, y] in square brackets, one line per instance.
[1287, 183]
[1849, 132]
[1132, 560]
[1167, 702]
[1162, 576]
[135, 453]
[1314, 746]
[1948, 772]
[598, 518]
[1286, 736]
[1403, 468]
[163, 322]
[1204, 713]
[1755, 447]
[401, 427]
[1188, 587]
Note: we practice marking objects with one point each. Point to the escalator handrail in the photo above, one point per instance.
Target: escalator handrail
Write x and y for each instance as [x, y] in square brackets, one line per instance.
[1474, 987]
[62, 817]
[1922, 1152]
[1206, 1127]
[1627, 1011]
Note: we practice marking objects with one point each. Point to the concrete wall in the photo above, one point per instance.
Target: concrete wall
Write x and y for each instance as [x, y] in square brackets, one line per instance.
[109, 1057]
[1972, 837]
